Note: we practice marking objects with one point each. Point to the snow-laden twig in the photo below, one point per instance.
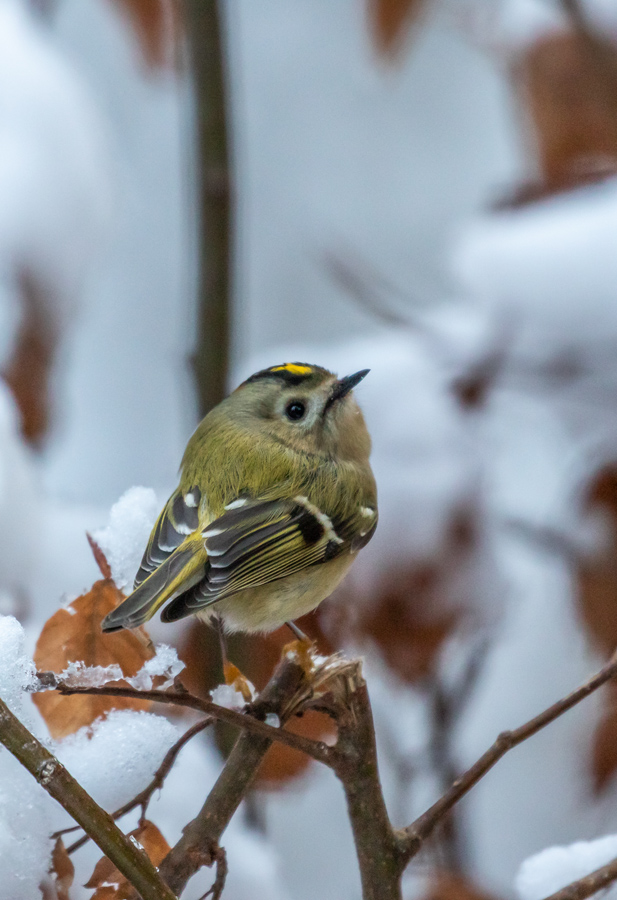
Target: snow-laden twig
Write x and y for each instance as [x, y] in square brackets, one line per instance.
[51, 775]
[333, 685]
[318, 750]
[589, 885]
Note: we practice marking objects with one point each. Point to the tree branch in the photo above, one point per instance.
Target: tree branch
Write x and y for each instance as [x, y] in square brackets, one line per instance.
[143, 798]
[411, 838]
[210, 362]
[284, 694]
[356, 765]
[51, 775]
[218, 885]
[247, 720]
[589, 885]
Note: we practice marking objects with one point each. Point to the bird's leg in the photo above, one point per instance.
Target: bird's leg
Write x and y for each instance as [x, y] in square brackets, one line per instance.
[298, 632]
[232, 674]
[219, 626]
[303, 647]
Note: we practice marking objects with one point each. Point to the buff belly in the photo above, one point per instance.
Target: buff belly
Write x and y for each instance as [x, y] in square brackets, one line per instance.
[269, 606]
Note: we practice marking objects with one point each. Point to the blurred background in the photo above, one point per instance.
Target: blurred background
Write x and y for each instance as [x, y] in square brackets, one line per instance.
[428, 188]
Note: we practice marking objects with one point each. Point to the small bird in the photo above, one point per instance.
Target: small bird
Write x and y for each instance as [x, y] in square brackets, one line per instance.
[276, 497]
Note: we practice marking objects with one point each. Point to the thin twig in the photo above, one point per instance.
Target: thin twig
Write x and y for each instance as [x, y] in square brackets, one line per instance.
[221, 875]
[411, 838]
[143, 798]
[318, 750]
[51, 775]
[589, 885]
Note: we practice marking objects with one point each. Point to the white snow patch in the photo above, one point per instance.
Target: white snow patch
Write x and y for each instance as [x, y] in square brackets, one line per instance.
[124, 539]
[226, 695]
[17, 669]
[78, 674]
[117, 756]
[164, 663]
[552, 869]
[25, 823]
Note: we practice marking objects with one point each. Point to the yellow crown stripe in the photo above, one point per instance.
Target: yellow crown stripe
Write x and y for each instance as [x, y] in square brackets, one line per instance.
[293, 369]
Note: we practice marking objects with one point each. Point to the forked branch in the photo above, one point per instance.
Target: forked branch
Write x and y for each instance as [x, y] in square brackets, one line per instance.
[335, 686]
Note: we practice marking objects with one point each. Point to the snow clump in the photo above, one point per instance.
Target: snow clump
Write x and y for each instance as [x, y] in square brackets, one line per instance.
[164, 663]
[124, 539]
[552, 869]
[117, 756]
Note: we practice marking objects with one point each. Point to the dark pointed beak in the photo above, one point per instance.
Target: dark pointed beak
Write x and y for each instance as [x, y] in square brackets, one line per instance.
[344, 385]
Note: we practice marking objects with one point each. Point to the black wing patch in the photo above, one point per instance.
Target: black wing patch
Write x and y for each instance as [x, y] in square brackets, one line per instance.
[256, 542]
[179, 518]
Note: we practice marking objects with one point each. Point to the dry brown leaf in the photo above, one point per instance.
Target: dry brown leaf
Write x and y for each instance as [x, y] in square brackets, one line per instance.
[597, 573]
[74, 634]
[454, 886]
[597, 602]
[157, 27]
[29, 368]
[569, 89]
[604, 751]
[390, 21]
[62, 870]
[110, 884]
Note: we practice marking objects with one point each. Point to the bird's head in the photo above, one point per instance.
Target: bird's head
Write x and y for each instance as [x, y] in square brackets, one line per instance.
[305, 407]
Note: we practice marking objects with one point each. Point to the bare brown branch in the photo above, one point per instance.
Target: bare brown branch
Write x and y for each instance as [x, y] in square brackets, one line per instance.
[284, 694]
[247, 721]
[356, 765]
[412, 837]
[216, 890]
[51, 775]
[589, 885]
[143, 798]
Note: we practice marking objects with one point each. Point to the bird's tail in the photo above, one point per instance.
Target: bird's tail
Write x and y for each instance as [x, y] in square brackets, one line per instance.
[179, 572]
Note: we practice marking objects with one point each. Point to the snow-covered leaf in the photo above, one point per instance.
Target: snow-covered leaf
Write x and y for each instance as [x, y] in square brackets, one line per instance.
[73, 635]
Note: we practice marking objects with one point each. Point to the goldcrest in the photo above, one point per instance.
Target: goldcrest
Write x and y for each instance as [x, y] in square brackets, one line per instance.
[276, 497]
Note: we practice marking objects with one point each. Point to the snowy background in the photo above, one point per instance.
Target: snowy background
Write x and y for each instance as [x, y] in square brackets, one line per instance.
[446, 215]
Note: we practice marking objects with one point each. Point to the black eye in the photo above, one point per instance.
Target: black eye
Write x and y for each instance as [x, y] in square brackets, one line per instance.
[295, 409]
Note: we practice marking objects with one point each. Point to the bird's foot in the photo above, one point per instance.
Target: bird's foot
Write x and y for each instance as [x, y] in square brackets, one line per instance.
[304, 650]
[235, 679]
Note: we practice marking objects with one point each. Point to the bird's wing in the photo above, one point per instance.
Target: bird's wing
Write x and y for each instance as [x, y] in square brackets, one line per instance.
[258, 541]
[174, 561]
[179, 518]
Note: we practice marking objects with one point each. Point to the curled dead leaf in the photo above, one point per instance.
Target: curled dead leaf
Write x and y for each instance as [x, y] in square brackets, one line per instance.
[157, 28]
[73, 634]
[568, 87]
[454, 886]
[111, 884]
[389, 22]
[62, 869]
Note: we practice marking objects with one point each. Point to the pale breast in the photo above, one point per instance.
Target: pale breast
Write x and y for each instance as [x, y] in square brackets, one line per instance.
[269, 606]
